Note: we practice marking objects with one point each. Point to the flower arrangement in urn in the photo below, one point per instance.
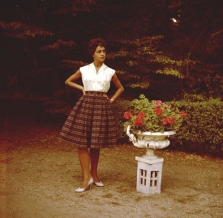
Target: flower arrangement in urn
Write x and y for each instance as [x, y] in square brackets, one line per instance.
[152, 116]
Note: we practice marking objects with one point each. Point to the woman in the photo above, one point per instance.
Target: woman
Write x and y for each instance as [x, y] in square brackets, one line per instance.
[91, 124]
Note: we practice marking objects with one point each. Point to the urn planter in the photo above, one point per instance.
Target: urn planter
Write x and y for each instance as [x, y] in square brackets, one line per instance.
[149, 170]
[150, 140]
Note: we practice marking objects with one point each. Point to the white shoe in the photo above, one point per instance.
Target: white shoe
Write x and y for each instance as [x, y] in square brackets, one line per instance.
[79, 190]
[99, 184]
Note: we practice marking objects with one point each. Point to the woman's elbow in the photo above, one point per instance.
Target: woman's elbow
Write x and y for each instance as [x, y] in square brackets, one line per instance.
[66, 82]
[122, 89]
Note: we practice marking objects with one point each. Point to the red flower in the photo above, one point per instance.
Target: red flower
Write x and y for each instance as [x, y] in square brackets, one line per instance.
[158, 111]
[169, 120]
[141, 114]
[165, 120]
[158, 103]
[139, 121]
[183, 114]
[128, 115]
[172, 120]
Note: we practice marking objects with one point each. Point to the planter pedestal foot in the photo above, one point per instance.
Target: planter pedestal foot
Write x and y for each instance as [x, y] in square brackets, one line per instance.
[150, 154]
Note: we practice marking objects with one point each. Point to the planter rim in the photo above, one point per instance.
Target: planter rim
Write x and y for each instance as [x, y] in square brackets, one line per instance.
[165, 133]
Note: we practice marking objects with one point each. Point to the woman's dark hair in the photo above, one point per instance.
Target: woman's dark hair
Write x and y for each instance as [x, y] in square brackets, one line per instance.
[94, 43]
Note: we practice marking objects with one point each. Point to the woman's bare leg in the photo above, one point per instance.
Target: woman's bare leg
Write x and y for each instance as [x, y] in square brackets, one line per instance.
[94, 154]
[84, 158]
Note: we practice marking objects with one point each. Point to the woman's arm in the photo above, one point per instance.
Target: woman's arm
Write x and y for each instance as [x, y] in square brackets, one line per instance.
[71, 81]
[119, 87]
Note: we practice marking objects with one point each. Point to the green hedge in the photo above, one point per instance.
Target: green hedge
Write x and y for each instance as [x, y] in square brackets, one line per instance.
[202, 130]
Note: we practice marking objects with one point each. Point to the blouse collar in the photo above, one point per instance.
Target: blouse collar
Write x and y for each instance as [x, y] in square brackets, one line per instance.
[103, 66]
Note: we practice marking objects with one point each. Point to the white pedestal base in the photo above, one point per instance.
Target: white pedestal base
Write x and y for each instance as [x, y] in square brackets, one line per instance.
[149, 175]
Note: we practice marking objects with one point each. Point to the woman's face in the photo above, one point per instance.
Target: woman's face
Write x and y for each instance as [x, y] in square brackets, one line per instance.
[99, 54]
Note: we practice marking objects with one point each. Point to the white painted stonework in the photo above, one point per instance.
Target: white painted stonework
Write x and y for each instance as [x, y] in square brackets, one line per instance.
[149, 170]
[149, 175]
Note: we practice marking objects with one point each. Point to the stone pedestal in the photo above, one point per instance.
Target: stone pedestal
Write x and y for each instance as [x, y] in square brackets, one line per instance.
[149, 175]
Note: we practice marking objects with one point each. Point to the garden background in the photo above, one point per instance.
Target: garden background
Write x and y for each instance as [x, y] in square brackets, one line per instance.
[167, 50]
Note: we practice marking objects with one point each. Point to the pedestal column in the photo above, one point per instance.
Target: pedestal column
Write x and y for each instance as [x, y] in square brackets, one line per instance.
[149, 175]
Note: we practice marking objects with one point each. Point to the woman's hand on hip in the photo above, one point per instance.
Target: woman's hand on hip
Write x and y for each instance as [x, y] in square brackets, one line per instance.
[106, 96]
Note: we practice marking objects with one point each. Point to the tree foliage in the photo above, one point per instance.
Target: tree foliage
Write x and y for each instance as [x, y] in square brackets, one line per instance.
[162, 48]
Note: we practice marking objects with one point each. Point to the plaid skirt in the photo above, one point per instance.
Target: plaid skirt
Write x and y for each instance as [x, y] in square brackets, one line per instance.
[91, 123]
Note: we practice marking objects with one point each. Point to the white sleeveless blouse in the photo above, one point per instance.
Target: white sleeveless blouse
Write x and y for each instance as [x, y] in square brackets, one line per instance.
[99, 81]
